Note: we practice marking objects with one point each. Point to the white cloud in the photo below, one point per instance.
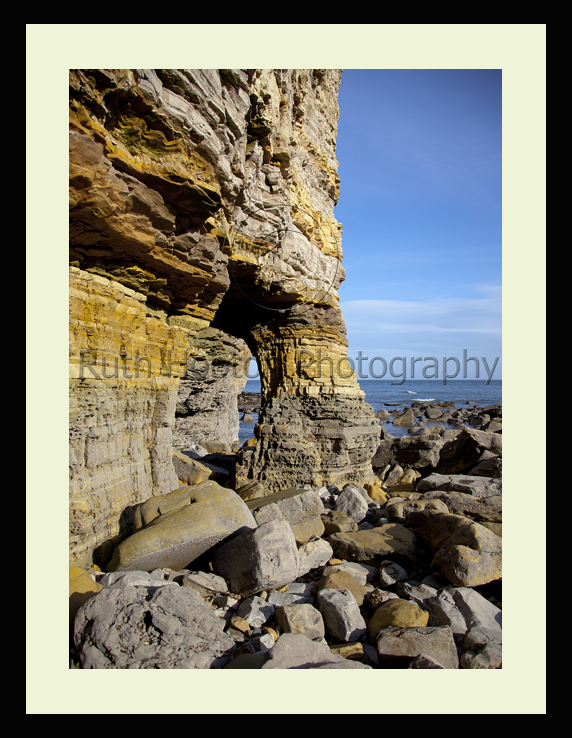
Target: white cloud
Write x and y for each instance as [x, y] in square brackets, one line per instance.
[437, 327]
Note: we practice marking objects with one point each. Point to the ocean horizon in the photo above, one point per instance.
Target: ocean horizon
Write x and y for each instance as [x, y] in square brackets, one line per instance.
[381, 393]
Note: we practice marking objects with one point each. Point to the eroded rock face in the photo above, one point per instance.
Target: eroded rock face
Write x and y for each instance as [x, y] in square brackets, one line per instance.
[201, 232]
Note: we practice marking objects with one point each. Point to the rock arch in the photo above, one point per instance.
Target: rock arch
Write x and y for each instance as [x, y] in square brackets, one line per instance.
[202, 231]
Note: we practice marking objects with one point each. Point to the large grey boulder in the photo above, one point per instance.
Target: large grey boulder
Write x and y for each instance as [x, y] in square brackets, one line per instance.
[341, 614]
[263, 558]
[141, 627]
[475, 485]
[302, 508]
[352, 503]
[463, 608]
[297, 651]
[398, 647]
[314, 554]
[180, 526]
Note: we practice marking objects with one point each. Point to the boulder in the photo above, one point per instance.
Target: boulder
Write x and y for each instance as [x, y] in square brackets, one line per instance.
[466, 553]
[490, 467]
[304, 619]
[482, 649]
[480, 509]
[204, 515]
[301, 508]
[259, 559]
[382, 414]
[352, 503]
[477, 486]
[205, 583]
[397, 613]
[341, 614]
[462, 453]
[335, 521]
[251, 491]
[190, 470]
[495, 426]
[398, 647]
[150, 628]
[390, 541]
[495, 528]
[476, 611]
[415, 452]
[296, 651]
[406, 418]
[424, 662]
[471, 557]
[391, 573]
[296, 593]
[398, 510]
[376, 493]
[342, 580]
[314, 554]
[122, 579]
[360, 572]
[255, 611]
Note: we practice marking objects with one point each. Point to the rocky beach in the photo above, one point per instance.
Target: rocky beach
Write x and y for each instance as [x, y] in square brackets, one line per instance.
[202, 238]
[401, 573]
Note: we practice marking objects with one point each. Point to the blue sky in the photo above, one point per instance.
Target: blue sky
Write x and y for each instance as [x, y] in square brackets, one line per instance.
[419, 154]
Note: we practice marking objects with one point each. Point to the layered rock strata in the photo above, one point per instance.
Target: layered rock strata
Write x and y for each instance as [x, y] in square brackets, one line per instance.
[202, 231]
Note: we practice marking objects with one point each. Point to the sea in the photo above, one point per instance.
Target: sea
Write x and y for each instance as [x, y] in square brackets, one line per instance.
[383, 394]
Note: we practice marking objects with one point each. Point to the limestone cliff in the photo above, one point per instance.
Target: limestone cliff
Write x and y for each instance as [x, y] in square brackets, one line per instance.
[202, 231]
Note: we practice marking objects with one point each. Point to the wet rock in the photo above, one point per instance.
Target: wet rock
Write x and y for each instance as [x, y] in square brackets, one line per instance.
[406, 418]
